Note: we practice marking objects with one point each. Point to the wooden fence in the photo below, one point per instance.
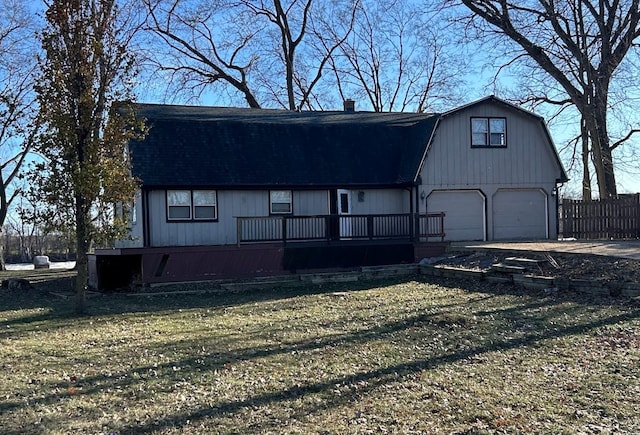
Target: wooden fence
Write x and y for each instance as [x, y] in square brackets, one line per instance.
[614, 218]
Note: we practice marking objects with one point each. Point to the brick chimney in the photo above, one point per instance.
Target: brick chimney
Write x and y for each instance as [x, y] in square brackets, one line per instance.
[349, 105]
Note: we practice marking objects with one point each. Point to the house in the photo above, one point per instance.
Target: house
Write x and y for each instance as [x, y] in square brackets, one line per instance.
[230, 192]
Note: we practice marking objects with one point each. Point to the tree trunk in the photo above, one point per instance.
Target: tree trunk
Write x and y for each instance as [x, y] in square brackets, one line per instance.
[82, 247]
[586, 175]
[81, 282]
[609, 179]
[596, 124]
[2, 261]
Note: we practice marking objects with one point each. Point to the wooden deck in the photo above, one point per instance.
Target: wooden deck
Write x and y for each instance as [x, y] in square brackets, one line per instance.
[285, 229]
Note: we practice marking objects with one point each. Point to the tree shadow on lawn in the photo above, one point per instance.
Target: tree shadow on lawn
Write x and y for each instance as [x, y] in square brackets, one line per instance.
[56, 296]
[54, 302]
[45, 296]
[39, 303]
[368, 380]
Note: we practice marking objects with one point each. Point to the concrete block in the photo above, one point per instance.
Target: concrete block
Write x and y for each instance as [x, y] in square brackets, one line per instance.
[533, 282]
[499, 278]
[334, 277]
[449, 272]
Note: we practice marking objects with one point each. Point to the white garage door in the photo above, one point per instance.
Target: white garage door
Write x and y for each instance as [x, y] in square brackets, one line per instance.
[464, 219]
[520, 214]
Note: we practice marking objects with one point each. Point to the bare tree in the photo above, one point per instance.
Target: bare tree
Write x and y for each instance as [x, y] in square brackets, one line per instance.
[268, 52]
[200, 49]
[18, 108]
[303, 66]
[398, 57]
[581, 45]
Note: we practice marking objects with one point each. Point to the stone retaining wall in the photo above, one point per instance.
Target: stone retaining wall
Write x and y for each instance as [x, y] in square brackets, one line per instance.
[544, 283]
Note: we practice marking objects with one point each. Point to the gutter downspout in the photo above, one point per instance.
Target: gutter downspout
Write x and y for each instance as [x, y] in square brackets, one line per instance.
[416, 214]
[146, 235]
[555, 193]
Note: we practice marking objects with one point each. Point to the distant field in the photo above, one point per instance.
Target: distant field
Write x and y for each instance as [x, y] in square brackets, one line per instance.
[390, 357]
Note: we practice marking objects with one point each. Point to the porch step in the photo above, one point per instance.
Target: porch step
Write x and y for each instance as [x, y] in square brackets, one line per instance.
[532, 265]
[524, 262]
[506, 268]
[518, 265]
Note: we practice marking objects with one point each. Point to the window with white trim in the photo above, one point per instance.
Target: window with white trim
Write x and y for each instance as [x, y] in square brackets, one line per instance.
[205, 204]
[488, 132]
[280, 202]
[178, 204]
[183, 205]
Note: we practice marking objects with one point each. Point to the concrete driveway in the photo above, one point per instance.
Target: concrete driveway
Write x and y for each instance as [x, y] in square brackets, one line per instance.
[614, 248]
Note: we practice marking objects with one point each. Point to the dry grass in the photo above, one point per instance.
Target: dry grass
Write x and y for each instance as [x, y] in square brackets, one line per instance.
[394, 357]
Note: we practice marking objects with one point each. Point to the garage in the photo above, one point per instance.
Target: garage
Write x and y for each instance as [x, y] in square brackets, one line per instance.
[520, 214]
[464, 219]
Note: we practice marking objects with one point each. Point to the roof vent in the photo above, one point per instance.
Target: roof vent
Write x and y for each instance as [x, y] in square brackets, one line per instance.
[349, 105]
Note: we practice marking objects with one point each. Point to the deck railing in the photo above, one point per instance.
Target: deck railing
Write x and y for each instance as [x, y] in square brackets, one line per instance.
[340, 227]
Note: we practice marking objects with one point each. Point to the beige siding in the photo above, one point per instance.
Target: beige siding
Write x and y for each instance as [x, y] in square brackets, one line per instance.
[310, 203]
[231, 204]
[135, 237]
[527, 162]
[380, 201]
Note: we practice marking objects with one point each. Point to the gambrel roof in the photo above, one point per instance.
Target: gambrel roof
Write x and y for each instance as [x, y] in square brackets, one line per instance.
[190, 146]
[219, 147]
[492, 99]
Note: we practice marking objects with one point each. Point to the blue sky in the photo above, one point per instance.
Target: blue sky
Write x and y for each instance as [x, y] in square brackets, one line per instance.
[477, 87]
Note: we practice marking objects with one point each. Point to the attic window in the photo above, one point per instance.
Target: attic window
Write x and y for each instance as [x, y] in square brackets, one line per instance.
[488, 132]
[280, 202]
[185, 205]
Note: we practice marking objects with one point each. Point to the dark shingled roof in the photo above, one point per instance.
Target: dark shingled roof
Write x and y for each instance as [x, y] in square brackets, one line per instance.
[190, 146]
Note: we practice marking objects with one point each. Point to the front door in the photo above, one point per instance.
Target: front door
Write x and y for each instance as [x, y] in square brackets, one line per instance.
[344, 210]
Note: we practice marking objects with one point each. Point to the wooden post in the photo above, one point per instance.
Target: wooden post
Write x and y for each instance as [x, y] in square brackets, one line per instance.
[567, 219]
[370, 226]
[415, 217]
[637, 219]
[284, 230]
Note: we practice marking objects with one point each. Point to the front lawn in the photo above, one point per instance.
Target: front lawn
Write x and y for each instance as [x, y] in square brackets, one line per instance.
[395, 357]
